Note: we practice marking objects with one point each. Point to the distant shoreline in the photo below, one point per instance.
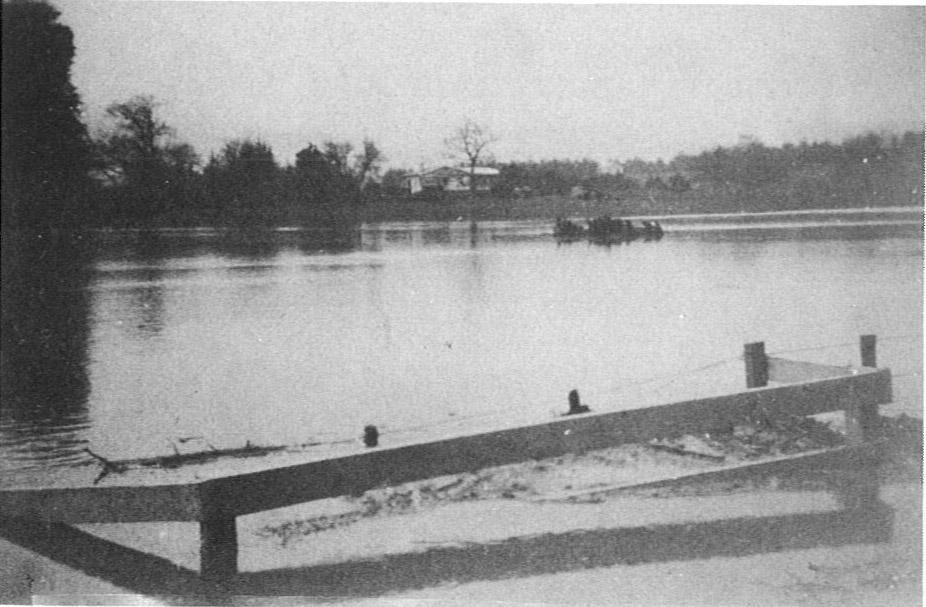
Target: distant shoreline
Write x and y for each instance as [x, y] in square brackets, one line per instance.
[549, 207]
[908, 215]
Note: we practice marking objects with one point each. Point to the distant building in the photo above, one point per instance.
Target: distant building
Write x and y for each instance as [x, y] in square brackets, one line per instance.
[452, 179]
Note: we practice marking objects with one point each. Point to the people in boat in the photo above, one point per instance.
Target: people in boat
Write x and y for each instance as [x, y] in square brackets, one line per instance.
[567, 229]
[652, 228]
[606, 227]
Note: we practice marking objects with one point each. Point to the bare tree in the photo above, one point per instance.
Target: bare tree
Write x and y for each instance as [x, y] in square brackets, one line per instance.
[338, 153]
[367, 163]
[469, 141]
[133, 148]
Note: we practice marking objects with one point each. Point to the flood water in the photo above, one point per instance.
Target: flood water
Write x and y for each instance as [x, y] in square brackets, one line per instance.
[137, 344]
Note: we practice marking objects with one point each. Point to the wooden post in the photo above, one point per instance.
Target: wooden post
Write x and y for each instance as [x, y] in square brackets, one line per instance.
[868, 345]
[861, 418]
[862, 426]
[575, 404]
[218, 549]
[756, 365]
[370, 436]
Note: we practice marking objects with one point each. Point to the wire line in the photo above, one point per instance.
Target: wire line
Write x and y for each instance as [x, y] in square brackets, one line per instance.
[666, 380]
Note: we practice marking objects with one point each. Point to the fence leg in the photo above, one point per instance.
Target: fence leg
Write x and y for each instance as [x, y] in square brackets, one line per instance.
[756, 365]
[218, 550]
[862, 428]
[869, 347]
[861, 418]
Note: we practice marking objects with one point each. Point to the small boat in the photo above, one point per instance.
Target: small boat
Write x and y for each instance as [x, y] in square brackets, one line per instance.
[606, 230]
[568, 230]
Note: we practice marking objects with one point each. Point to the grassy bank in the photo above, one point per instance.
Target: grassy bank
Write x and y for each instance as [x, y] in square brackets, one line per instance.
[496, 208]
[629, 203]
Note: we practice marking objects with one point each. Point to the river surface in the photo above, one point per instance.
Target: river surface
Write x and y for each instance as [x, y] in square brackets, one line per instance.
[154, 343]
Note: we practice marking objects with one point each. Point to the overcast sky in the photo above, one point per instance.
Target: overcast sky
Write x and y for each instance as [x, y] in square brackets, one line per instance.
[550, 80]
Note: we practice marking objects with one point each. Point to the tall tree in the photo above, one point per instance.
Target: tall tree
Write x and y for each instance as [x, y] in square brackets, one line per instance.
[249, 162]
[334, 176]
[45, 161]
[469, 141]
[338, 154]
[394, 182]
[317, 175]
[242, 182]
[138, 154]
[367, 164]
[135, 145]
[45, 150]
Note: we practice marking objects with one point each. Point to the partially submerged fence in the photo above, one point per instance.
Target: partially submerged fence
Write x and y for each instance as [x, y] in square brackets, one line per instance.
[807, 389]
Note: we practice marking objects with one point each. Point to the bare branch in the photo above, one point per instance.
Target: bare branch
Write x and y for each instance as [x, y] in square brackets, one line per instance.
[469, 140]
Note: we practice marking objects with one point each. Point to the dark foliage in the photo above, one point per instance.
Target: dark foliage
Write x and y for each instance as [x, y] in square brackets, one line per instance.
[148, 179]
[870, 170]
[45, 150]
[241, 183]
[549, 176]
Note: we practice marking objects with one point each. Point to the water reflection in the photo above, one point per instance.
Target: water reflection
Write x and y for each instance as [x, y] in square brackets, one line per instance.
[454, 234]
[258, 244]
[436, 235]
[148, 301]
[281, 336]
[255, 245]
[45, 331]
[330, 241]
[785, 231]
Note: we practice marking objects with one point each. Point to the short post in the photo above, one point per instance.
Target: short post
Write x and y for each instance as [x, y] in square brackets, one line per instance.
[218, 549]
[575, 404]
[370, 436]
[756, 365]
[869, 347]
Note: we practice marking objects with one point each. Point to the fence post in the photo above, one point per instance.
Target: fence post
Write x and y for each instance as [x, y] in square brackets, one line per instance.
[861, 418]
[756, 365]
[869, 345]
[862, 427]
[218, 548]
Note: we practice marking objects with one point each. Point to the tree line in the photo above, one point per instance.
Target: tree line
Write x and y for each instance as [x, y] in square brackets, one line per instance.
[145, 177]
[135, 172]
[869, 170]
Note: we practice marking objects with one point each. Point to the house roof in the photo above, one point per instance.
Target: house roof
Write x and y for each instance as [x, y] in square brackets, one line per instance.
[482, 171]
[461, 171]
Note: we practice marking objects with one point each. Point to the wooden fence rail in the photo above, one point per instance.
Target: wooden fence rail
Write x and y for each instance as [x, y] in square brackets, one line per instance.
[809, 389]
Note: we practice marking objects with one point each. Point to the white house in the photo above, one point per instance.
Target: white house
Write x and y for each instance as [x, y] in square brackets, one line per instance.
[452, 179]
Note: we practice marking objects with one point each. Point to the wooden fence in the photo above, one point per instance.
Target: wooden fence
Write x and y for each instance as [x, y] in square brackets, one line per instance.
[806, 389]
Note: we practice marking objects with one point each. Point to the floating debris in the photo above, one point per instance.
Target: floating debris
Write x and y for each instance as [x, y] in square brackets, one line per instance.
[178, 459]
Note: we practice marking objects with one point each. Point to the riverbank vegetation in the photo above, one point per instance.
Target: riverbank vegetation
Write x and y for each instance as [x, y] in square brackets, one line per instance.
[135, 171]
[867, 171]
